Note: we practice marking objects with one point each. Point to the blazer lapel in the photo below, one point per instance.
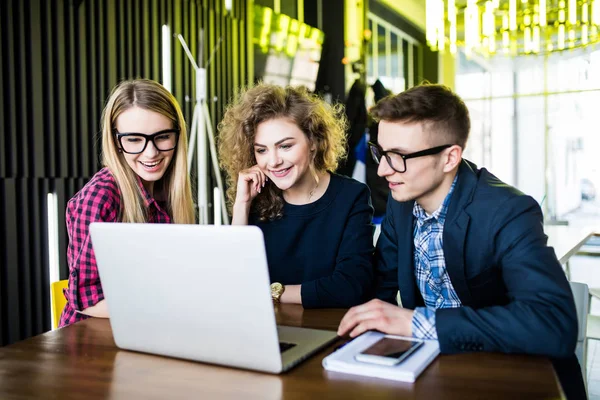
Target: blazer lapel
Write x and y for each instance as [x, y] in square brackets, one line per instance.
[454, 254]
[456, 228]
[409, 292]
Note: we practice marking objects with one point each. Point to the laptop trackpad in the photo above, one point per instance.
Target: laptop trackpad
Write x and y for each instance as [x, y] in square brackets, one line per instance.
[307, 341]
[283, 346]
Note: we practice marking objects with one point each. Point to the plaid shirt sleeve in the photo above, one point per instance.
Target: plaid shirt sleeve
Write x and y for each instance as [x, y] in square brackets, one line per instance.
[95, 202]
[423, 323]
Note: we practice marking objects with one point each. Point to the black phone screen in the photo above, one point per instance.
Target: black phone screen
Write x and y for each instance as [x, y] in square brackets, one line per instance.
[393, 348]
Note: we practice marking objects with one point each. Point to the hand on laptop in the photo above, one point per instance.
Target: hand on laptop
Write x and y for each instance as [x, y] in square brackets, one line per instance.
[377, 315]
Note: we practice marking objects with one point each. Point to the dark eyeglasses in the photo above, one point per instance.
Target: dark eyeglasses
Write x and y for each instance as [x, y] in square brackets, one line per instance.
[135, 143]
[397, 160]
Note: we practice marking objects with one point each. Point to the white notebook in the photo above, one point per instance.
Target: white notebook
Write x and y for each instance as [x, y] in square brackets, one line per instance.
[408, 370]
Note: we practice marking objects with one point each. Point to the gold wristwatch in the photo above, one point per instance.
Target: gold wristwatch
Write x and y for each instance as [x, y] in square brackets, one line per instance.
[277, 290]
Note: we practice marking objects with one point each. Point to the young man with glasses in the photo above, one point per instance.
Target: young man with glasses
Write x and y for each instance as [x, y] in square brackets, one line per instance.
[467, 252]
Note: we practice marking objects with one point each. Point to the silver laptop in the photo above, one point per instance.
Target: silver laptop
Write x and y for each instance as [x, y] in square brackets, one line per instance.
[197, 292]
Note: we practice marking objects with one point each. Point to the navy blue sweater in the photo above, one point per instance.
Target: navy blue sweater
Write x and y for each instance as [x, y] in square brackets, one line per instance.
[326, 246]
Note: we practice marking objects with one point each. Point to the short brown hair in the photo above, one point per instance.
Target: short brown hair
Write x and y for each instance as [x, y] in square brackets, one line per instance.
[436, 106]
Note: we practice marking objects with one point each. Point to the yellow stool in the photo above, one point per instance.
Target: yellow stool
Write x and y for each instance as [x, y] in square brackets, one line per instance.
[58, 300]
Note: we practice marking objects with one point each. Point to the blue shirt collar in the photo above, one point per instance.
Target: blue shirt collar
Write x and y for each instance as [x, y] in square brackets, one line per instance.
[440, 213]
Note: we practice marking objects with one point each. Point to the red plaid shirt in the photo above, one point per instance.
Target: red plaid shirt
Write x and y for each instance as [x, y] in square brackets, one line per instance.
[99, 200]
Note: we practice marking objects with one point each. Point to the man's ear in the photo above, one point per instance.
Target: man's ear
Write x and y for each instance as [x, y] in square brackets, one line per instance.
[453, 158]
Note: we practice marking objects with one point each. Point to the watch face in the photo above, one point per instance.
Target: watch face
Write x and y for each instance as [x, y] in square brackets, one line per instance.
[276, 288]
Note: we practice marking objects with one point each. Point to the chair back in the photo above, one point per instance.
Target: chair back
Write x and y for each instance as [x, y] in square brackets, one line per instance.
[580, 295]
[58, 300]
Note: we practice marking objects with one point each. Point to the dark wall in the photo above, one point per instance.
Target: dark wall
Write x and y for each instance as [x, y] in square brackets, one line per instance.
[332, 72]
[59, 60]
[331, 77]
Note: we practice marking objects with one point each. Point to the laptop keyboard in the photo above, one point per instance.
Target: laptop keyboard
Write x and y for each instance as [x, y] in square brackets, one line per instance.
[283, 346]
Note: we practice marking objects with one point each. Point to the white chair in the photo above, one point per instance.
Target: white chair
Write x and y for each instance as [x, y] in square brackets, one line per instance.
[593, 321]
[580, 294]
[595, 292]
[593, 327]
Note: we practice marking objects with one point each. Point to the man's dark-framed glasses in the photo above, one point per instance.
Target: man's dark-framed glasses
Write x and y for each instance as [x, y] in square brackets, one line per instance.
[135, 143]
[397, 160]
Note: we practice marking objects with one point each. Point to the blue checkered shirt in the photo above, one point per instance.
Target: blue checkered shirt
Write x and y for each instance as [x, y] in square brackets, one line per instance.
[430, 268]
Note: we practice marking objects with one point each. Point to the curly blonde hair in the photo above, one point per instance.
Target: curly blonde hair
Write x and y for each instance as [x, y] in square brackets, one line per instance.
[323, 125]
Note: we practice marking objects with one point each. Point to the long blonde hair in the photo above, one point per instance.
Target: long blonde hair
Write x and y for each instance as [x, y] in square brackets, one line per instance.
[175, 183]
[323, 125]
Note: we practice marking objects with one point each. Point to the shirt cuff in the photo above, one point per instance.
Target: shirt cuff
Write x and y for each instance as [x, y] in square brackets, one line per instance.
[423, 323]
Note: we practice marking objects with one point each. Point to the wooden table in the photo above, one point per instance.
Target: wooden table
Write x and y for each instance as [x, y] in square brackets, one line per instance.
[81, 361]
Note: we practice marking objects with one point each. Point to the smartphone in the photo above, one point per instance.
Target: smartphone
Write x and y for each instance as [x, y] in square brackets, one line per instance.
[389, 350]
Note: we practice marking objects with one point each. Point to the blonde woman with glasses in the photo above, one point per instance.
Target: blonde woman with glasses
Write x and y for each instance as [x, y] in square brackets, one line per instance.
[144, 179]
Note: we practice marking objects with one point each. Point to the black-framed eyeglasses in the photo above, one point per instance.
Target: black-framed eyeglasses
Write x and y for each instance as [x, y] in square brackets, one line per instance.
[135, 143]
[397, 160]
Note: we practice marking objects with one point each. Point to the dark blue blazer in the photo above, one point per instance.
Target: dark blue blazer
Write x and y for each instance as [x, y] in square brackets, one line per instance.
[515, 296]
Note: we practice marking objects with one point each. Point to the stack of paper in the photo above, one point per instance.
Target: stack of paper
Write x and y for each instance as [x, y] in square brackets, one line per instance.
[408, 370]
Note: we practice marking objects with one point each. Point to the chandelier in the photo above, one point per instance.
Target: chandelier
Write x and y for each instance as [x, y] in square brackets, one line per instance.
[511, 27]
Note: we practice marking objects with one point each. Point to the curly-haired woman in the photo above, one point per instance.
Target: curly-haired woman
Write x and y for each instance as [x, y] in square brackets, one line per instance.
[279, 147]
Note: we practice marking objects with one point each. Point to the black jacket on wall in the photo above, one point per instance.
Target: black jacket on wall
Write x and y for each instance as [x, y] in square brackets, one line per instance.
[378, 185]
[356, 112]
